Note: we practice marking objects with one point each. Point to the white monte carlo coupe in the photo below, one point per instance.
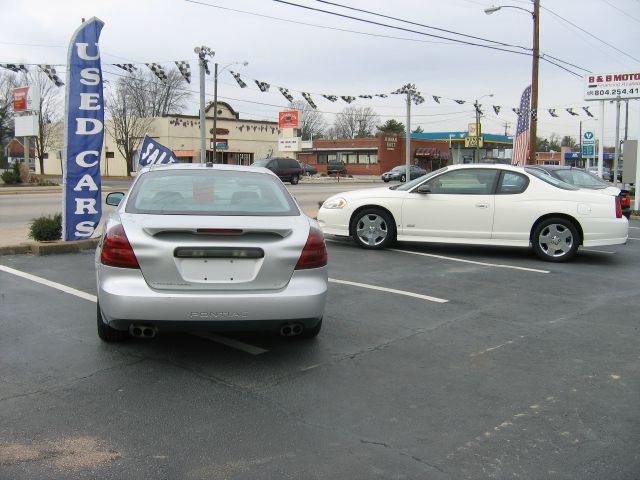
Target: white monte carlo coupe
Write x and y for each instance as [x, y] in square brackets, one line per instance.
[500, 205]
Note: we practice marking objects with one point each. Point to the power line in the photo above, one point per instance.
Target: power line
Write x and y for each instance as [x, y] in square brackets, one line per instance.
[421, 24]
[622, 11]
[462, 42]
[589, 33]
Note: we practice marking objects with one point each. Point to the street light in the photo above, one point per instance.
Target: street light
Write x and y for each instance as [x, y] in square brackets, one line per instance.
[215, 101]
[413, 95]
[203, 52]
[534, 71]
[478, 130]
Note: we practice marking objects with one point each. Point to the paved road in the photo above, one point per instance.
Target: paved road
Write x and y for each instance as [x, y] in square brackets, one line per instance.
[529, 371]
[16, 211]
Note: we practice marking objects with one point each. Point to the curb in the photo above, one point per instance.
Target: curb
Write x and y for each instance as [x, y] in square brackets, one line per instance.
[49, 248]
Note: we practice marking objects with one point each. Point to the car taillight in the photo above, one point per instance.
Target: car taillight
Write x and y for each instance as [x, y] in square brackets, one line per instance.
[314, 253]
[116, 249]
[618, 208]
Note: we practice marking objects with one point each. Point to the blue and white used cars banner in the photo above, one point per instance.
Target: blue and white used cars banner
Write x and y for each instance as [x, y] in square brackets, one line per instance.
[154, 153]
[83, 134]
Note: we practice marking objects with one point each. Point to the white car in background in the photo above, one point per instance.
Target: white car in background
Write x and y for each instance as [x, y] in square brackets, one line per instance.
[500, 205]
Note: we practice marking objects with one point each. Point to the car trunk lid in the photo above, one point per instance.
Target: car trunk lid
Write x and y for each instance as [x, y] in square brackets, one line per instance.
[226, 253]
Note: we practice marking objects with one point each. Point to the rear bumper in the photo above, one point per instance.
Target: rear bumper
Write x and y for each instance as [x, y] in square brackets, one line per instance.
[125, 297]
[602, 232]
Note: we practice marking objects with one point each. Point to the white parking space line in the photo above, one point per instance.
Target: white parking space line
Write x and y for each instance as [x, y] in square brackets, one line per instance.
[596, 251]
[230, 342]
[634, 238]
[474, 262]
[49, 283]
[389, 290]
[635, 228]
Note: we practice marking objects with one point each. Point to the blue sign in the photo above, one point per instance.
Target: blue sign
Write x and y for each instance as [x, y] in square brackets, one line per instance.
[588, 151]
[83, 134]
[154, 153]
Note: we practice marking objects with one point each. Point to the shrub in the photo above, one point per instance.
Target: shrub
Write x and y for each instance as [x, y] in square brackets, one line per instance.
[11, 177]
[41, 181]
[46, 228]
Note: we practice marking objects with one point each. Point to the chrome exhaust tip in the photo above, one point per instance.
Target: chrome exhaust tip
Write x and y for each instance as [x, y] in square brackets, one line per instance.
[142, 331]
[291, 329]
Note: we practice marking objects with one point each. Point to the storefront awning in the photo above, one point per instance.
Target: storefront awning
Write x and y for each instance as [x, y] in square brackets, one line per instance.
[427, 152]
[184, 153]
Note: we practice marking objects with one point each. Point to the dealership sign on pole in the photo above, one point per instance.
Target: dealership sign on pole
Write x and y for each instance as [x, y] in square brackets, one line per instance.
[288, 119]
[612, 86]
[26, 99]
[83, 134]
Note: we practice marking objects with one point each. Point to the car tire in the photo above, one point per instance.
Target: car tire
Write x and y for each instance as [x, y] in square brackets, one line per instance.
[403, 178]
[295, 179]
[312, 332]
[555, 240]
[373, 229]
[107, 333]
[385, 180]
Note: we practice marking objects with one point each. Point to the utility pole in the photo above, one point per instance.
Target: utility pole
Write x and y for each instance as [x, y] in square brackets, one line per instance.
[580, 137]
[534, 83]
[202, 53]
[407, 147]
[506, 127]
[215, 113]
[476, 157]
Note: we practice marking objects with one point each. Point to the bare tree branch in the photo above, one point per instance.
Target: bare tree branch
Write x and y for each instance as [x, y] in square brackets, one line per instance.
[7, 84]
[312, 123]
[355, 122]
[126, 125]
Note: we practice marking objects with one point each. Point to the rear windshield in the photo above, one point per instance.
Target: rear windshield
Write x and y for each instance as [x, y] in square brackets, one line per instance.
[582, 179]
[210, 192]
[550, 180]
[260, 163]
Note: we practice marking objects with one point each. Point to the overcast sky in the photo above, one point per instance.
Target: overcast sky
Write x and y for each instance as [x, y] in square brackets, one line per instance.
[320, 57]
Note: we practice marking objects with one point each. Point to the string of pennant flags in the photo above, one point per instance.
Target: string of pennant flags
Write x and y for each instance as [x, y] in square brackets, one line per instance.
[184, 68]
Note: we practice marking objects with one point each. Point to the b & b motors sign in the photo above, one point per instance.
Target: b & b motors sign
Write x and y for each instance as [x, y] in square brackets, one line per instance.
[288, 119]
[610, 86]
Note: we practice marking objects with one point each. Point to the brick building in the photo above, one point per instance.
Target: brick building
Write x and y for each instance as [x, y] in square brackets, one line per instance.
[375, 155]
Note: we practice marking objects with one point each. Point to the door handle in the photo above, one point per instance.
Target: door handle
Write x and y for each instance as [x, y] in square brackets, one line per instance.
[482, 205]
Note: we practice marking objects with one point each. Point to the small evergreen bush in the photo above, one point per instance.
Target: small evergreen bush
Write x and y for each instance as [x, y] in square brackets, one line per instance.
[11, 177]
[46, 228]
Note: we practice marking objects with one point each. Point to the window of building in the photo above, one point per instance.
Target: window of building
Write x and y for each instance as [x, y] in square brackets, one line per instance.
[110, 154]
[551, 162]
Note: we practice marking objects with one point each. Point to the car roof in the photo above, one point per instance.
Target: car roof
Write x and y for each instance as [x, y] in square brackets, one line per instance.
[205, 166]
[554, 167]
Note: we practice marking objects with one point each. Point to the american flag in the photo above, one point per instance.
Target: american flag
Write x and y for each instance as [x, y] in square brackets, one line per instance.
[521, 143]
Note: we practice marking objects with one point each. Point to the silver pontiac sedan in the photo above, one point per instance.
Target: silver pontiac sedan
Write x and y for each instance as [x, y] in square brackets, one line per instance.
[217, 247]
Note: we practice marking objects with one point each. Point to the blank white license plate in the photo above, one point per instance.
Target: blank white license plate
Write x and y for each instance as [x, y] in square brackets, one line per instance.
[219, 270]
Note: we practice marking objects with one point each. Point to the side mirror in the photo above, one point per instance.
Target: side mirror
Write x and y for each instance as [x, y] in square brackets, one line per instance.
[114, 198]
[423, 189]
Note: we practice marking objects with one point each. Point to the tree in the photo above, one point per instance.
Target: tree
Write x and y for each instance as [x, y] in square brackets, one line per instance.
[568, 141]
[7, 84]
[542, 144]
[49, 116]
[126, 125]
[418, 129]
[151, 97]
[392, 126]
[312, 123]
[355, 122]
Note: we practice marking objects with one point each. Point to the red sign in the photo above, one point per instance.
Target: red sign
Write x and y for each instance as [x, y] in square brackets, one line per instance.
[288, 119]
[20, 99]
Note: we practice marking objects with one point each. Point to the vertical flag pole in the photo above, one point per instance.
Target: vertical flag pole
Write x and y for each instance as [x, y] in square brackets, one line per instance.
[203, 120]
[601, 145]
[407, 148]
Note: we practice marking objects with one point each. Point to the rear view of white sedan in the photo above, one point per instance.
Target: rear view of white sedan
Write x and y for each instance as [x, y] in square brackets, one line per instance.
[209, 246]
[499, 205]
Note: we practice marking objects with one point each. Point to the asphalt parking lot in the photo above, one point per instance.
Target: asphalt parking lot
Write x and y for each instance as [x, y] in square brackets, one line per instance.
[434, 362]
